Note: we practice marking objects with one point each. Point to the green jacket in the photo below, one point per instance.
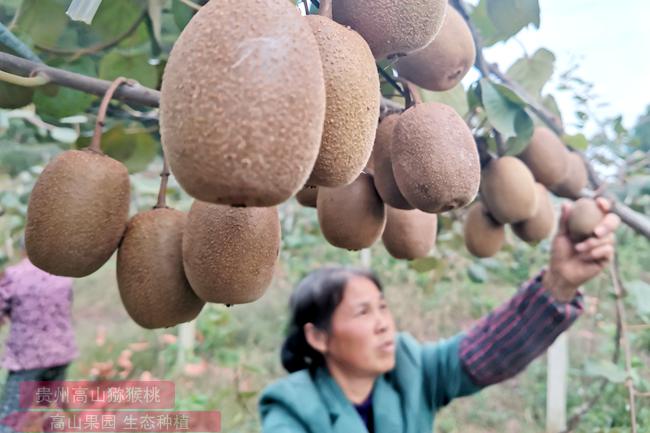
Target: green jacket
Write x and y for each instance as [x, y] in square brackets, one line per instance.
[426, 377]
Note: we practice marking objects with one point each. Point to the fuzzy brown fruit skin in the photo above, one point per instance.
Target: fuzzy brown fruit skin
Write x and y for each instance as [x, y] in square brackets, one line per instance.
[583, 219]
[546, 157]
[352, 108]
[484, 236]
[77, 213]
[392, 26]
[352, 216]
[435, 160]
[576, 178]
[541, 225]
[238, 124]
[150, 275]
[307, 196]
[229, 253]
[443, 63]
[508, 190]
[409, 234]
[383, 167]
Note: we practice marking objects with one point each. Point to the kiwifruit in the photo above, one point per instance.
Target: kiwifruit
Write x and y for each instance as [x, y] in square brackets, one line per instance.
[352, 108]
[383, 168]
[540, 225]
[409, 234]
[546, 157]
[583, 219]
[508, 190]
[434, 157]
[484, 236]
[351, 216]
[445, 61]
[307, 196]
[392, 27]
[575, 180]
[238, 123]
[77, 213]
[13, 96]
[229, 253]
[150, 275]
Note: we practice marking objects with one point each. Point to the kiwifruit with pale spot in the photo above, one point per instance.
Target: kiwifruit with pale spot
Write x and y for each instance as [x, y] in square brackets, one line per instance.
[352, 216]
[435, 160]
[383, 168]
[307, 196]
[575, 180]
[539, 226]
[229, 253]
[239, 125]
[484, 236]
[150, 276]
[392, 27]
[508, 190]
[77, 213]
[546, 157]
[409, 234]
[584, 218]
[443, 63]
[352, 108]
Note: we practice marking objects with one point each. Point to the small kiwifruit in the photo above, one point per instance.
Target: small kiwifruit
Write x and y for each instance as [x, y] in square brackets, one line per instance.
[540, 225]
[546, 157]
[383, 168]
[307, 196]
[392, 27]
[409, 234]
[351, 216]
[352, 108]
[484, 236]
[13, 96]
[575, 180]
[444, 62]
[77, 213]
[435, 160]
[150, 275]
[508, 190]
[583, 219]
[239, 124]
[229, 253]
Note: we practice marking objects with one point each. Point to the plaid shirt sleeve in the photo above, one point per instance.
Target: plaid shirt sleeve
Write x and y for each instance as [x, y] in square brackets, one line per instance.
[505, 341]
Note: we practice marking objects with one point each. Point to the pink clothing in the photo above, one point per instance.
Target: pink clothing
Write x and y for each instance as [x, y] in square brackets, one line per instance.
[39, 307]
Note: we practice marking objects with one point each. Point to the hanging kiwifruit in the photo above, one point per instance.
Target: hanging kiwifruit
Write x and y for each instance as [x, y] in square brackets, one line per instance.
[383, 168]
[575, 180]
[584, 217]
[546, 157]
[484, 236]
[539, 226]
[445, 61]
[351, 216]
[435, 160]
[508, 190]
[352, 108]
[392, 27]
[409, 234]
[242, 103]
[229, 253]
[307, 196]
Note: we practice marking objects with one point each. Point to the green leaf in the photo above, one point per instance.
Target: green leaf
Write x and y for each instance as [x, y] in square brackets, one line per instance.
[135, 149]
[501, 113]
[606, 369]
[477, 273]
[524, 127]
[509, 94]
[115, 17]
[42, 21]
[640, 290]
[425, 264]
[489, 33]
[182, 14]
[136, 67]
[455, 98]
[15, 157]
[532, 73]
[578, 141]
[510, 16]
[550, 103]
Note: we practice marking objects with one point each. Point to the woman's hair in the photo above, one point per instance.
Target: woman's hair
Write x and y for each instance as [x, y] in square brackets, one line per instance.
[314, 301]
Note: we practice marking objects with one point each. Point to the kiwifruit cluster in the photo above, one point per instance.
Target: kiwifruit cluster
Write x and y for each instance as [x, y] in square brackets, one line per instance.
[575, 180]
[409, 234]
[546, 157]
[484, 236]
[541, 224]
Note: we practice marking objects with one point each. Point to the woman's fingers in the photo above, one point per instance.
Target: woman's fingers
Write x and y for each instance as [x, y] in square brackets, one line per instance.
[602, 253]
[608, 225]
[594, 242]
[604, 204]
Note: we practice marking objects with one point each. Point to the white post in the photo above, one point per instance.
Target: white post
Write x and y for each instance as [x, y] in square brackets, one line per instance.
[556, 384]
[366, 258]
[186, 333]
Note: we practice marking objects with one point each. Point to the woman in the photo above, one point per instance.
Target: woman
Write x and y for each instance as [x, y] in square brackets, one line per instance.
[351, 372]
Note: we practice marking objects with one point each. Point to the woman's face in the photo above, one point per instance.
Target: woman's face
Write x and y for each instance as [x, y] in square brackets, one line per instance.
[362, 334]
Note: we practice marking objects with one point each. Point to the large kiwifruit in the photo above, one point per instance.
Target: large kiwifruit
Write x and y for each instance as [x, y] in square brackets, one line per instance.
[77, 213]
[150, 275]
[409, 234]
[583, 219]
[230, 253]
[484, 236]
[546, 157]
[508, 190]
[392, 27]
[352, 109]
[575, 180]
[539, 226]
[238, 123]
[445, 61]
[307, 196]
[351, 216]
[383, 168]
[435, 160]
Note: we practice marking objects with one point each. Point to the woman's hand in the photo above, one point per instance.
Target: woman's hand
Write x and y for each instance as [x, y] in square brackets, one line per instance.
[572, 265]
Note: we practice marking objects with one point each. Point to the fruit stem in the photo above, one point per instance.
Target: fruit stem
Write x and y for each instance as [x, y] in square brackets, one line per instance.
[95, 145]
[325, 8]
[162, 192]
[412, 92]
